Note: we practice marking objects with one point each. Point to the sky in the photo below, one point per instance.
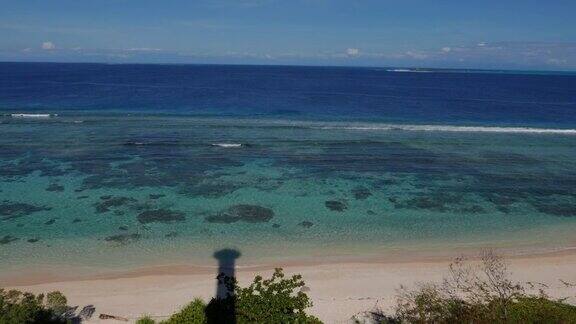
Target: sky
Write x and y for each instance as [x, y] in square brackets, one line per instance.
[503, 34]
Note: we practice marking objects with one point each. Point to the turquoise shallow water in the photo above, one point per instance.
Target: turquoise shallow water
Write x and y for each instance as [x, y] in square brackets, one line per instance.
[118, 191]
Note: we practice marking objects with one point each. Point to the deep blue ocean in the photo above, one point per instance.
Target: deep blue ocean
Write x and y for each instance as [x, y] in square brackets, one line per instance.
[286, 92]
[140, 165]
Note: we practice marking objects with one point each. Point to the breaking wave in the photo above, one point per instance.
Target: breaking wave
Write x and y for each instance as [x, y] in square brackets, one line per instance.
[451, 128]
[385, 127]
[228, 145]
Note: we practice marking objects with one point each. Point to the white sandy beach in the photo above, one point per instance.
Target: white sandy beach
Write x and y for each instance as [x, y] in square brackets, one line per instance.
[338, 290]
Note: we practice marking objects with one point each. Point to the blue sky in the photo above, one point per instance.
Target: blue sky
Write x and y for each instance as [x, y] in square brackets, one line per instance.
[512, 34]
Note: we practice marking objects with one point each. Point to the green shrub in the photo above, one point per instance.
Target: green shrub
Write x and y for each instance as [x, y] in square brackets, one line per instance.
[274, 300]
[57, 302]
[523, 310]
[193, 313]
[17, 307]
[541, 309]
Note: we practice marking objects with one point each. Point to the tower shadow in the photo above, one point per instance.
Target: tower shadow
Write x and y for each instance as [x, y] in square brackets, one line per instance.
[222, 308]
[226, 269]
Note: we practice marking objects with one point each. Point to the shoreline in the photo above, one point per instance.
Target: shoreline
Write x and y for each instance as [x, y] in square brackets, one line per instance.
[23, 277]
[338, 290]
[63, 273]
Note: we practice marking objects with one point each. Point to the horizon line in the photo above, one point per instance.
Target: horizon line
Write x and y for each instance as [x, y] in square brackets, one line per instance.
[441, 69]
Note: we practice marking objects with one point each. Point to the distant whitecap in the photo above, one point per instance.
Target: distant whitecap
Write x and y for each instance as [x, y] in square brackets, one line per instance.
[33, 115]
[228, 145]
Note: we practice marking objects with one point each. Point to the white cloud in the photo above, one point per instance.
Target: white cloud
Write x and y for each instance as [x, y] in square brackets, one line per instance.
[416, 55]
[143, 49]
[525, 55]
[504, 54]
[555, 61]
[48, 46]
[352, 52]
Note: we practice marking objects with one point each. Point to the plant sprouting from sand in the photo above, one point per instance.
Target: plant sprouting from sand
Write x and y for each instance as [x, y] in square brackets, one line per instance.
[476, 292]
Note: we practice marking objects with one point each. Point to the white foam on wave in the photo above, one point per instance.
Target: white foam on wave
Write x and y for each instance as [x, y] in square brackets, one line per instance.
[33, 115]
[228, 145]
[409, 70]
[367, 126]
[450, 128]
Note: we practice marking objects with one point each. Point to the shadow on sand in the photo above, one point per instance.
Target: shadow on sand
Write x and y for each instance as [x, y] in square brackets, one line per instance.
[222, 308]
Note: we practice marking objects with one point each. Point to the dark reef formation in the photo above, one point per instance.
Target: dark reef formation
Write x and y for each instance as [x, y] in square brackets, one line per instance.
[171, 235]
[306, 224]
[54, 187]
[160, 216]
[7, 239]
[442, 202]
[557, 209]
[335, 205]
[361, 193]
[243, 212]
[11, 210]
[123, 238]
[107, 203]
